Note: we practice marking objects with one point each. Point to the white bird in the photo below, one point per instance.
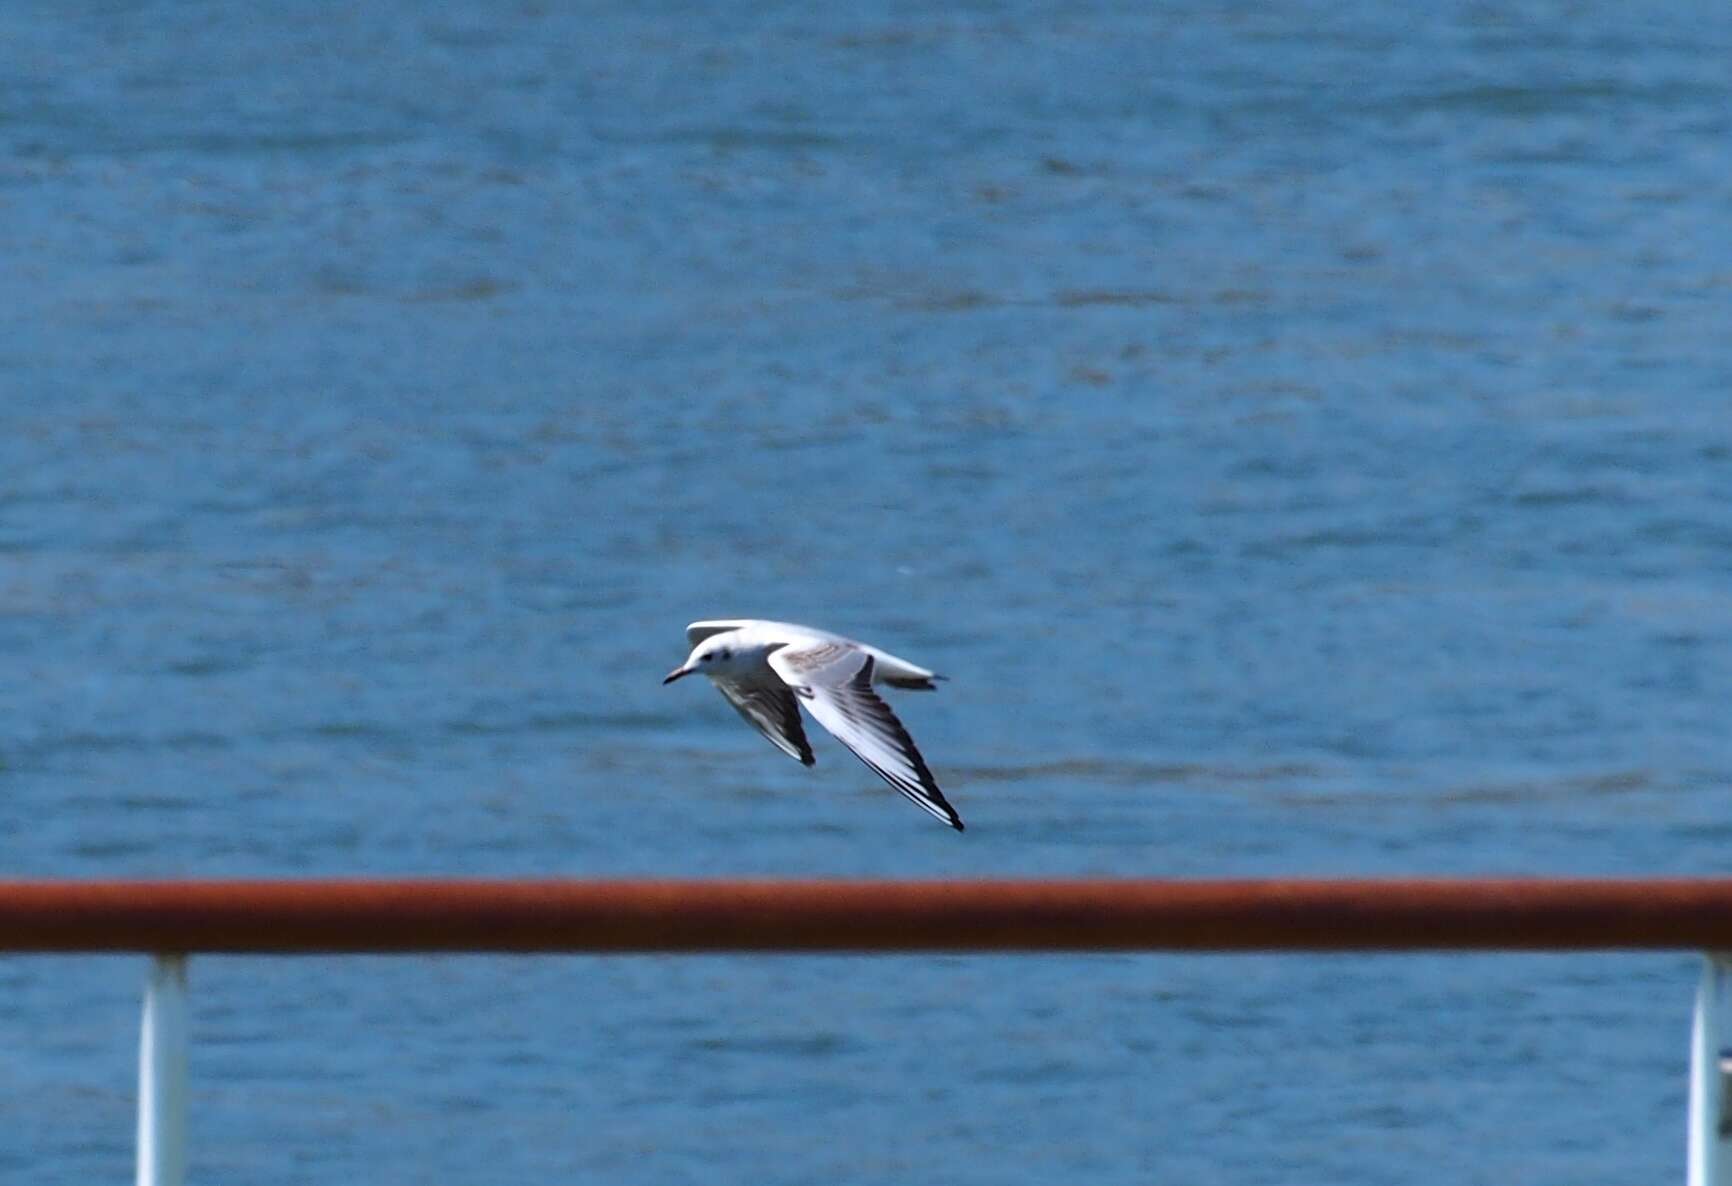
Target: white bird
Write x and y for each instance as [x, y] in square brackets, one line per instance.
[767, 669]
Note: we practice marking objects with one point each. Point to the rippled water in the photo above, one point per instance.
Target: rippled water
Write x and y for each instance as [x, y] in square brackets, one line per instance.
[1300, 432]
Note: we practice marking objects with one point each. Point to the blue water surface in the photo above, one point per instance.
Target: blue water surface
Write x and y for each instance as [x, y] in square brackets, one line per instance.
[1300, 431]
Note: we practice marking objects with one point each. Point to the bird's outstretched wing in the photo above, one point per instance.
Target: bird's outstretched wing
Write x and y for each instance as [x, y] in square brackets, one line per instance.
[772, 711]
[835, 681]
[698, 631]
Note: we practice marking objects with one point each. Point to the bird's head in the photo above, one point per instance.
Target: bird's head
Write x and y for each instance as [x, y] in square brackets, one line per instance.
[714, 656]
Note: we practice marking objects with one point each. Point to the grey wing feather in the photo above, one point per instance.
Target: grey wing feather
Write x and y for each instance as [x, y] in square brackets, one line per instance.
[773, 712]
[820, 663]
[835, 681]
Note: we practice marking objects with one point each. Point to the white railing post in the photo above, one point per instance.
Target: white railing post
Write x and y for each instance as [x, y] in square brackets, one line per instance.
[1710, 1157]
[162, 1075]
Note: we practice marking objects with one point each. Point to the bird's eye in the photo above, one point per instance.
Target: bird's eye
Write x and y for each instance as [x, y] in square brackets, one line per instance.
[707, 658]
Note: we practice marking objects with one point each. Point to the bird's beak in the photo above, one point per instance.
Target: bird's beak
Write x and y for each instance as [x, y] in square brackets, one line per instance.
[676, 673]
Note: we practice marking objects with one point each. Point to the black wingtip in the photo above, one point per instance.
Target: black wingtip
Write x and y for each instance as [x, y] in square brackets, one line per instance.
[957, 824]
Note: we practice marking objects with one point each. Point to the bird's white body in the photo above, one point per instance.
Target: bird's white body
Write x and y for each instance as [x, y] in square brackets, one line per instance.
[766, 636]
[767, 670]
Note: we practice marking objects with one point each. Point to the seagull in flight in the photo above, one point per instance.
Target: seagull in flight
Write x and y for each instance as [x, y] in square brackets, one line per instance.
[766, 670]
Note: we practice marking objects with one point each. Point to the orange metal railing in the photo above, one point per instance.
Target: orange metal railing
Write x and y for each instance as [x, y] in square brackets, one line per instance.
[413, 915]
[169, 919]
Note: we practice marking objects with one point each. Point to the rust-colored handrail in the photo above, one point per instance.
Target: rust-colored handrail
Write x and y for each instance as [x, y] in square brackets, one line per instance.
[397, 916]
